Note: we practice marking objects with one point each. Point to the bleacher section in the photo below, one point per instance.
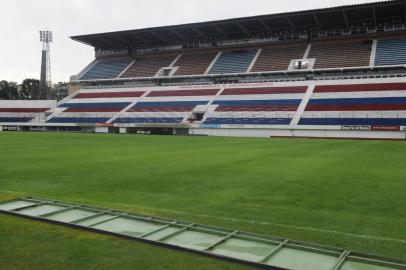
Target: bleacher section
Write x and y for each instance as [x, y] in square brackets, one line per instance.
[390, 52]
[24, 111]
[256, 106]
[94, 106]
[149, 65]
[233, 62]
[357, 104]
[277, 58]
[107, 68]
[194, 63]
[341, 54]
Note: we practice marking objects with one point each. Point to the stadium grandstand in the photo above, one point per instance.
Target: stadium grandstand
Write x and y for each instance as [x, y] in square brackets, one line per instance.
[335, 72]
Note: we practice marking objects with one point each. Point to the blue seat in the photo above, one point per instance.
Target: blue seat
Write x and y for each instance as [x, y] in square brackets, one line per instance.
[15, 119]
[390, 52]
[107, 68]
[233, 62]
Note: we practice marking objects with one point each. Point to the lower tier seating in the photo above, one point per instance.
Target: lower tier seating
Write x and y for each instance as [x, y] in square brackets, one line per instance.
[79, 120]
[15, 119]
[148, 120]
[353, 121]
[257, 105]
[357, 104]
[248, 121]
[95, 107]
[169, 106]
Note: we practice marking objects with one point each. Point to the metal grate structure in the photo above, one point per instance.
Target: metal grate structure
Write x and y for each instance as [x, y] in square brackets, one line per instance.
[252, 249]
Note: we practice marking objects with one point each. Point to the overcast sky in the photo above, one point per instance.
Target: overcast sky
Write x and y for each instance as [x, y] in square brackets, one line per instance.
[20, 21]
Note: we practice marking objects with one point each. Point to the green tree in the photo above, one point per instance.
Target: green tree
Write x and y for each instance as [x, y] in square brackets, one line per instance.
[8, 90]
[29, 89]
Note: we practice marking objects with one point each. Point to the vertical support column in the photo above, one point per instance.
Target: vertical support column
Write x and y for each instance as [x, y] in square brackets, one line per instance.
[307, 52]
[125, 70]
[213, 62]
[254, 60]
[303, 105]
[373, 53]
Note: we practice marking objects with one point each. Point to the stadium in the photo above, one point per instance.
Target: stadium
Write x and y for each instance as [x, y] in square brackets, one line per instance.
[288, 149]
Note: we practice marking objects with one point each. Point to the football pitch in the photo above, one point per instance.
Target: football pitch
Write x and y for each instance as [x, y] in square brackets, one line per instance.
[345, 193]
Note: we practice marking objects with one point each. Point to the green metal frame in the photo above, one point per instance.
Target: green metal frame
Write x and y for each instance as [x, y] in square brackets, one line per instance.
[252, 249]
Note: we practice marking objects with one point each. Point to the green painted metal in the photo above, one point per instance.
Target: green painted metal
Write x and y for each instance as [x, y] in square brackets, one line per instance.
[253, 249]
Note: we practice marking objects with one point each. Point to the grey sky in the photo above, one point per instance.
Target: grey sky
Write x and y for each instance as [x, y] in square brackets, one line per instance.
[21, 20]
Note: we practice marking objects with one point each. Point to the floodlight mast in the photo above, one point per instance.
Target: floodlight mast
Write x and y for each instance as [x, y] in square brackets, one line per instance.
[46, 37]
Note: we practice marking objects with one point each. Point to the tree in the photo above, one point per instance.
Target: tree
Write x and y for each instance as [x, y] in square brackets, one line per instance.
[8, 90]
[30, 89]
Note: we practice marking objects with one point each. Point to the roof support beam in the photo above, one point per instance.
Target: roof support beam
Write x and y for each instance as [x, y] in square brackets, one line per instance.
[243, 29]
[221, 31]
[347, 24]
[316, 20]
[374, 15]
[266, 26]
[179, 35]
[159, 37]
[200, 33]
[290, 22]
[142, 38]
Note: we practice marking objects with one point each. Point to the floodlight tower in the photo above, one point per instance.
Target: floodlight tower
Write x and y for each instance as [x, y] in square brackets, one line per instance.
[45, 81]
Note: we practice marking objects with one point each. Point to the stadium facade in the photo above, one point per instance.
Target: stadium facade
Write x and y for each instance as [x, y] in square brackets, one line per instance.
[336, 72]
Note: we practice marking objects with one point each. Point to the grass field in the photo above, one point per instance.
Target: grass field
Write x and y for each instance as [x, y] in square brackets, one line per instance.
[350, 194]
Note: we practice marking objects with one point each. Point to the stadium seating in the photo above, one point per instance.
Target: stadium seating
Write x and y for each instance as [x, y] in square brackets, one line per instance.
[168, 106]
[248, 121]
[277, 58]
[107, 68]
[95, 107]
[15, 119]
[341, 54]
[390, 52]
[23, 111]
[148, 120]
[149, 65]
[233, 62]
[194, 63]
[257, 105]
[357, 104]
[353, 121]
[78, 120]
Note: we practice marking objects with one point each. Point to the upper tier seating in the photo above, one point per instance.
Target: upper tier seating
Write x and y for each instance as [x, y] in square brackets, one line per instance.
[194, 63]
[357, 104]
[184, 93]
[233, 62]
[107, 68]
[390, 52]
[264, 90]
[149, 65]
[276, 58]
[341, 54]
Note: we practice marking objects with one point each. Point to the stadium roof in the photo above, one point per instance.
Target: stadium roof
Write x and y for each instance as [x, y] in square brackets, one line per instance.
[326, 18]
